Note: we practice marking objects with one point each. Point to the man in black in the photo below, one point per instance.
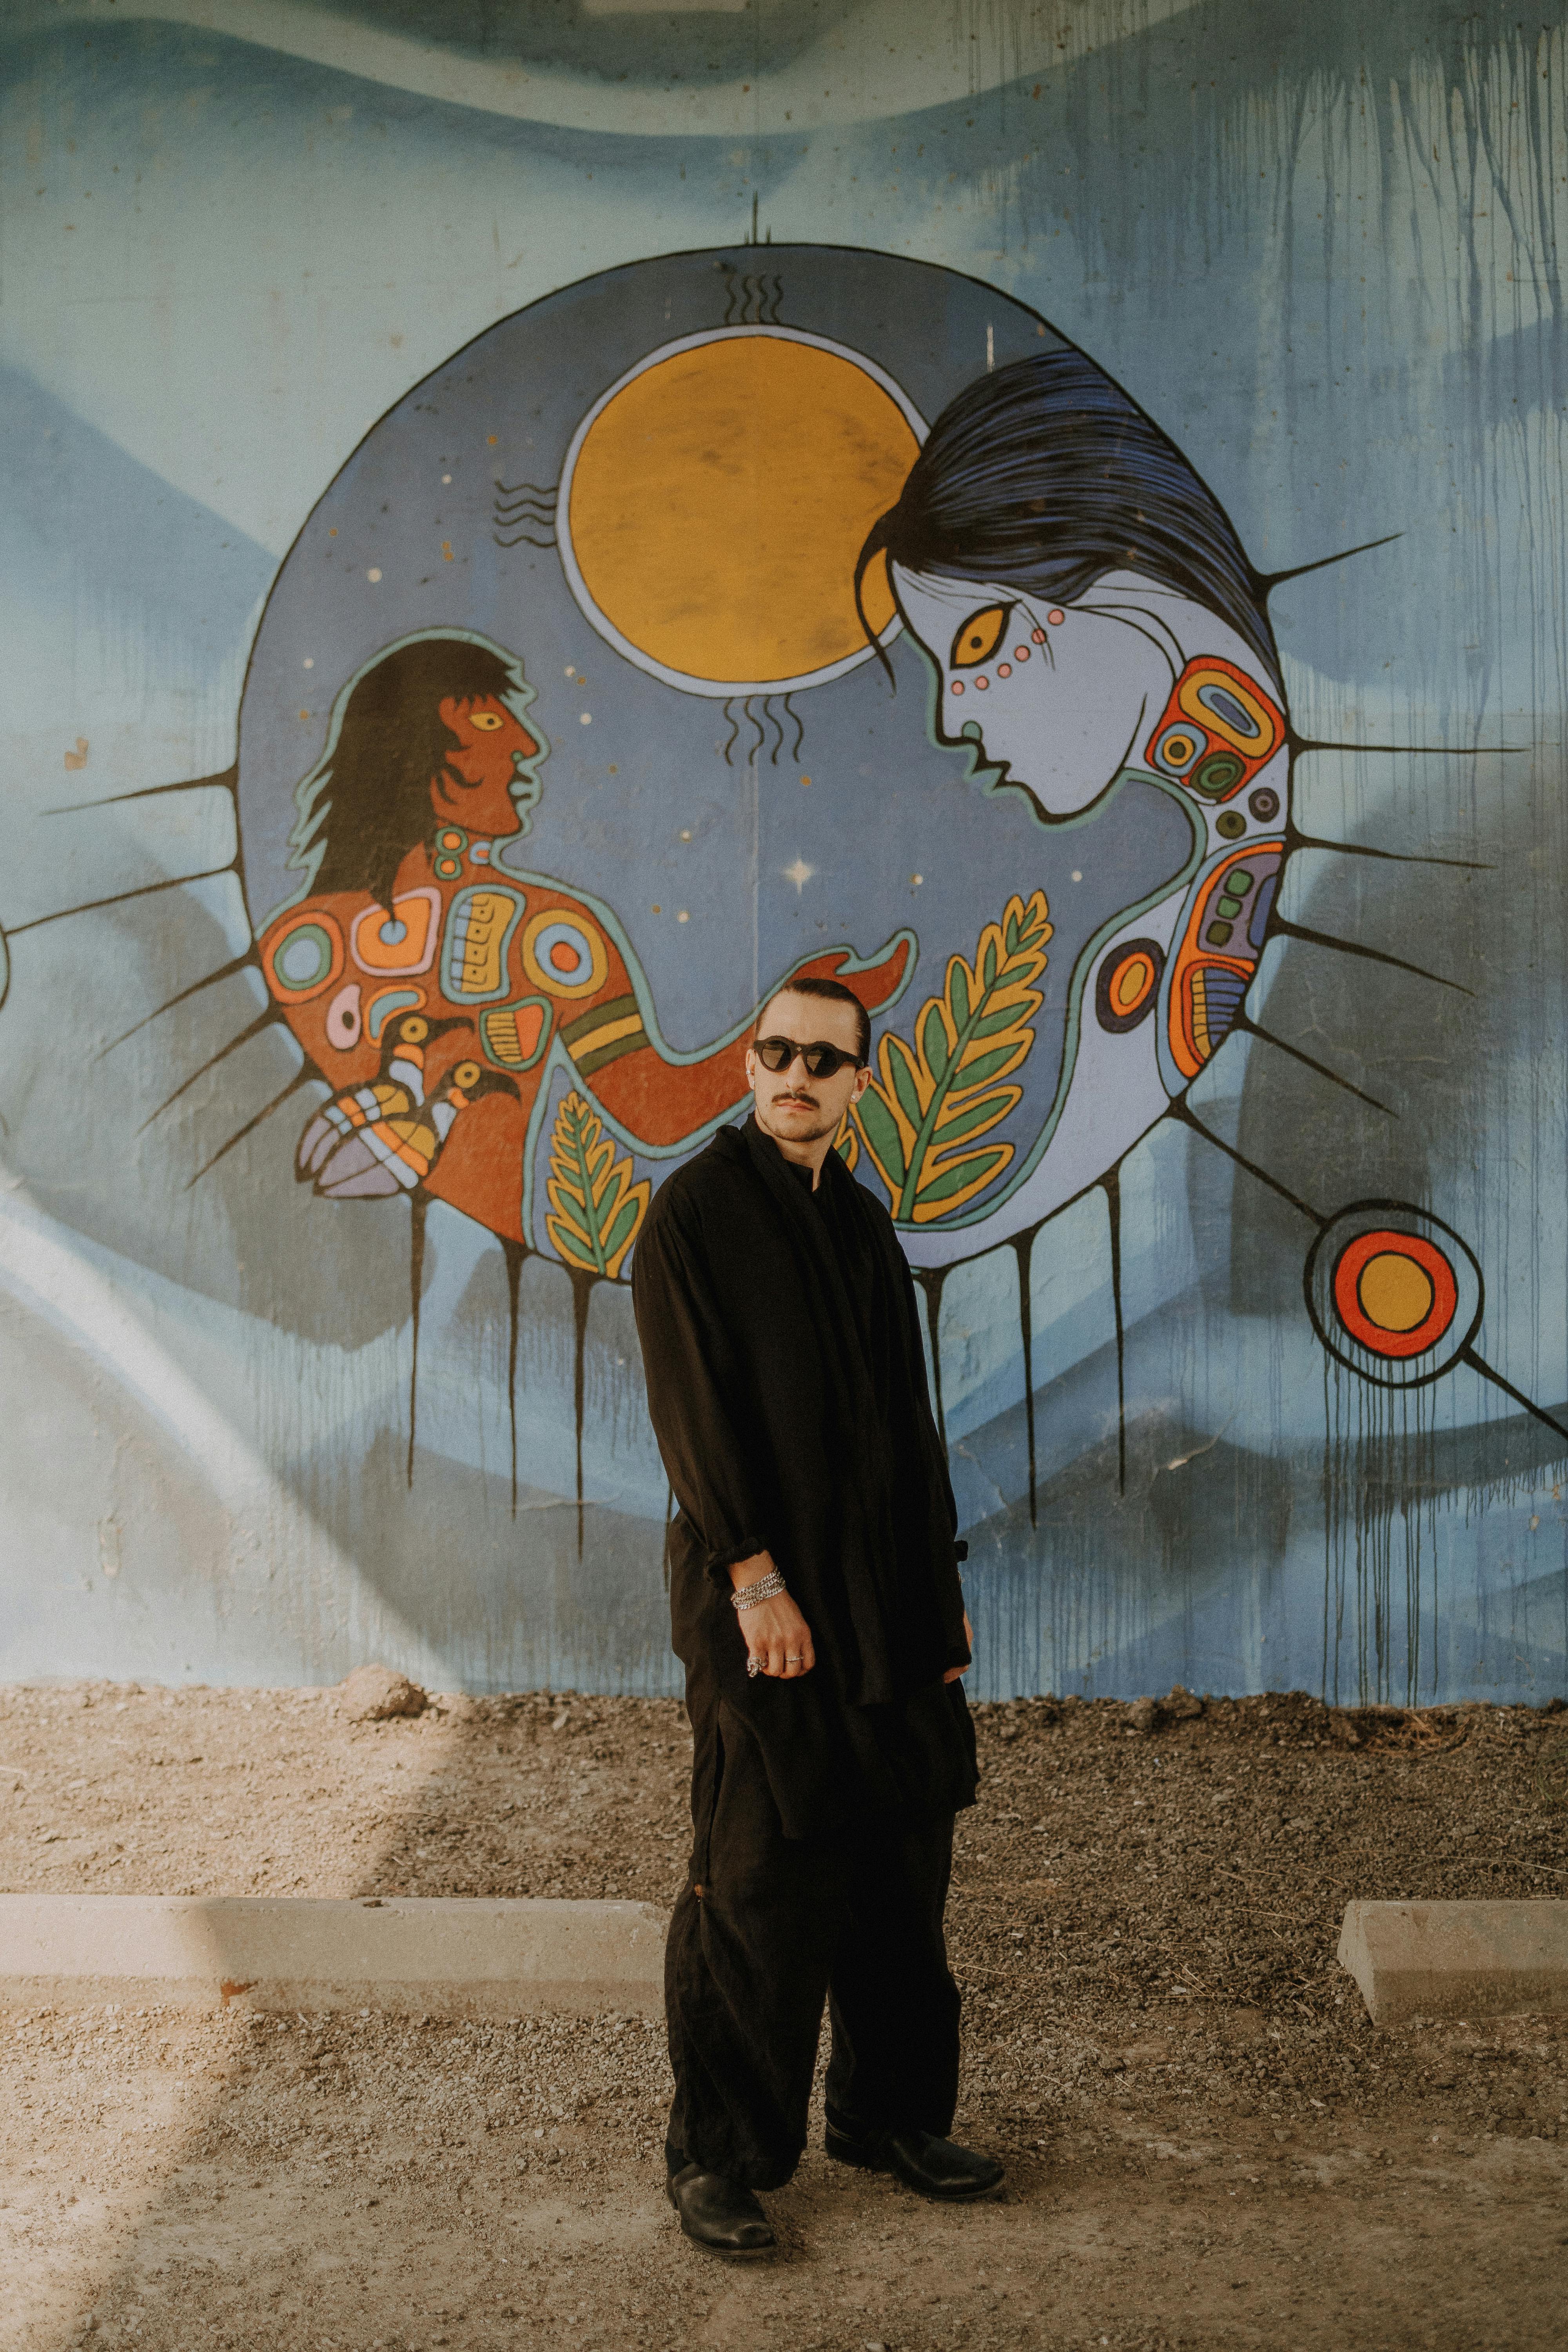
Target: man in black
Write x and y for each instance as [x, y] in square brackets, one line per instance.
[818, 1610]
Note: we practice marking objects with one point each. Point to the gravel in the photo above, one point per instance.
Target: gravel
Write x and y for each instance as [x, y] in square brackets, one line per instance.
[1207, 2142]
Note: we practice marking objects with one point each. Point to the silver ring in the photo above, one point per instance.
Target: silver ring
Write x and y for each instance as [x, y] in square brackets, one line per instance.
[754, 1666]
[795, 1659]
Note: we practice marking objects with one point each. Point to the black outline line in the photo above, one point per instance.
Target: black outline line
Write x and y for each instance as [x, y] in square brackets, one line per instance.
[263, 1020]
[581, 1297]
[1295, 840]
[513, 1253]
[225, 972]
[932, 1279]
[1477, 1364]
[147, 890]
[1300, 744]
[303, 1077]
[1180, 1109]
[1244, 1021]
[1266, 581]
[1110, 1185]
[1024, 1251]
[223, 779]
[419, 1210]
[1288, 929]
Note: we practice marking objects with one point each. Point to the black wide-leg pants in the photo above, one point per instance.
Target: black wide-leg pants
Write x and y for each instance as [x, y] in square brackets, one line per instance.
[770, 1927]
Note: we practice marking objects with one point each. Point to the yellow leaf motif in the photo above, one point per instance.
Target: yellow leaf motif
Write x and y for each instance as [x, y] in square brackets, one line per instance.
[595, 1209]
[923, 1113]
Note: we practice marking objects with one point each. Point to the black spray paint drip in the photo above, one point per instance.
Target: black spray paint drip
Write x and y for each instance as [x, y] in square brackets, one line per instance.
[1379, 1469]
[513, 1254]
[419, 1211]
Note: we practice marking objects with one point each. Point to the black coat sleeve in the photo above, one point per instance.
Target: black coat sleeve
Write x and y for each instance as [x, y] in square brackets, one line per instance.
[717, 1465]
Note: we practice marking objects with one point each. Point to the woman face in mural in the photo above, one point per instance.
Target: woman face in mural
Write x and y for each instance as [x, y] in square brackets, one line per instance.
[492, 747]
[1058, 697]
[1062, 562]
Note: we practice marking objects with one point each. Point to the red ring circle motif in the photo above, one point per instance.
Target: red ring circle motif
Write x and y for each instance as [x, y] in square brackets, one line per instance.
[1353, 1263]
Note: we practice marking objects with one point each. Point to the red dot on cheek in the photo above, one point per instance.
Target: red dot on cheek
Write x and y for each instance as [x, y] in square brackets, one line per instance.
[1055, 616]
[1004, 669]
[1038, 636]
[1020, 653]
[958, 685]
[981, 684]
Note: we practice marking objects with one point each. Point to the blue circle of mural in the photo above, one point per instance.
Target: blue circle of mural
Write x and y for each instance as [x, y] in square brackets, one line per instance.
[644, 628]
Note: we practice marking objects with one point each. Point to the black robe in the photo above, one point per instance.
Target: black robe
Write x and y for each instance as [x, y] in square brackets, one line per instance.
[786, 1385]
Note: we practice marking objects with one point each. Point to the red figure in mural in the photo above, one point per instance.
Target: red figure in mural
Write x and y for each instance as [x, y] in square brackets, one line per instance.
[427, 982]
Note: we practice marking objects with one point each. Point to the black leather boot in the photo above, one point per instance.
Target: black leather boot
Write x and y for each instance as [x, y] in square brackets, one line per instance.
[720, 2213]
[931, 2167]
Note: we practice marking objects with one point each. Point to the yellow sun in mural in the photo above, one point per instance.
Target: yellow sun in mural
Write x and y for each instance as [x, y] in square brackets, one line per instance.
[714, 501]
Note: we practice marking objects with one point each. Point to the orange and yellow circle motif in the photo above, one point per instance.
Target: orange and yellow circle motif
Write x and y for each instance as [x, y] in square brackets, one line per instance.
[1128, 978]
[1395, 1293]
[713, 504]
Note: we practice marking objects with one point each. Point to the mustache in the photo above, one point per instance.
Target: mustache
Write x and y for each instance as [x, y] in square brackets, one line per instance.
[792, 1097]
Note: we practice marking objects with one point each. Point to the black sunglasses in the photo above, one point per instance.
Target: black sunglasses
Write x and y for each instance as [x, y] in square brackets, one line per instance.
[821, 1061]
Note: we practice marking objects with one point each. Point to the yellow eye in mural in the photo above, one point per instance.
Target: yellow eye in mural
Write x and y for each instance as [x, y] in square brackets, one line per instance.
[467, 1073]
[489, 722]
[414, 1030]
[979, 636]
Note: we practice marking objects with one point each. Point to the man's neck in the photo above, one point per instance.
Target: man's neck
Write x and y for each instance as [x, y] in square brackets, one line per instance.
[800, 1155]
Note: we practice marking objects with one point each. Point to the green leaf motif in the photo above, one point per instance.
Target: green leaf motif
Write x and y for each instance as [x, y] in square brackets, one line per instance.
[924, 1100]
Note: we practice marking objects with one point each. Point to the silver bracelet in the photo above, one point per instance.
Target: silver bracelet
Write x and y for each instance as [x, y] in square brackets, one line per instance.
[766, 1587]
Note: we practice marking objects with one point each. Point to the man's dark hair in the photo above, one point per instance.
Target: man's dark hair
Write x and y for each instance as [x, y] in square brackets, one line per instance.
[370, 798]
[832, 992]
[1043, 477]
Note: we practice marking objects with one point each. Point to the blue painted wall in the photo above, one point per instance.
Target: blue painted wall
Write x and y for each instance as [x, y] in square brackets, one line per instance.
[1323, 255]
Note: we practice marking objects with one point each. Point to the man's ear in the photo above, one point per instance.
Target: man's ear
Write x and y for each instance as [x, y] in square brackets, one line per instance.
[862, 1080]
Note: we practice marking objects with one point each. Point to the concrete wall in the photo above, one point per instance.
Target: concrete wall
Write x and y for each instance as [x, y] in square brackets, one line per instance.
[1243, 1239]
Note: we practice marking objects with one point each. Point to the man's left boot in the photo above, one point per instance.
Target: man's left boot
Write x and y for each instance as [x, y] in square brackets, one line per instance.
[931, 2167]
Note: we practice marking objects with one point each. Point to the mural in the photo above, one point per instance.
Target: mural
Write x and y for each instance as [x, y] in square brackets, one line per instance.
[700, 612]
[490, 1033]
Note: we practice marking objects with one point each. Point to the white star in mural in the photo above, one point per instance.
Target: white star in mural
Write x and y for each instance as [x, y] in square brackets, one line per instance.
[800, 873]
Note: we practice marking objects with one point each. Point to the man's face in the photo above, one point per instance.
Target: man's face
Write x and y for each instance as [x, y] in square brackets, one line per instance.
[792, 1106]
[492, 743]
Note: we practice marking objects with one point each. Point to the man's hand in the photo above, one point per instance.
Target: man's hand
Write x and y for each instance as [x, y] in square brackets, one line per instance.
[775, 1632]
[956, 1674]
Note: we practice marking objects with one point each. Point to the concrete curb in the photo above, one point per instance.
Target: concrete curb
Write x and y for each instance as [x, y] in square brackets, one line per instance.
[402, 1954]
[1457, 1959]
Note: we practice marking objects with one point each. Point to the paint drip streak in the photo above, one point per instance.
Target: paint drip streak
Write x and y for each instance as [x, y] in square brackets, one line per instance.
[930, 1279]
[1024, 1250]
[513, 1255]
[1110, 1185]
[582, 1292]
[1380, 1536]
[419, 1210]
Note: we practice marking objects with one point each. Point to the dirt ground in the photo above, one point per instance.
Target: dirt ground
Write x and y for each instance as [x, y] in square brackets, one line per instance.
[1207, 2143]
